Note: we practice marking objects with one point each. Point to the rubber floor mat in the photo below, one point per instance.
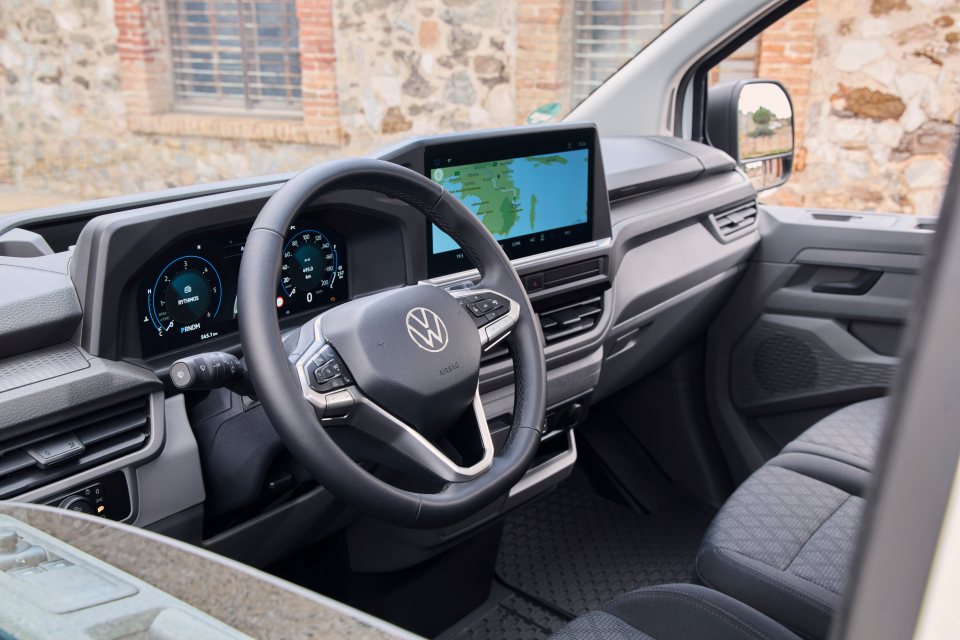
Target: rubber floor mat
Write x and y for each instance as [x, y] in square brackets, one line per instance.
[515, 618]
[574, 550]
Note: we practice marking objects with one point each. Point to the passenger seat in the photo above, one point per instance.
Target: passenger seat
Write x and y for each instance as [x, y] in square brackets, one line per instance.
[776, 554]
[783, 542]
[674, 612]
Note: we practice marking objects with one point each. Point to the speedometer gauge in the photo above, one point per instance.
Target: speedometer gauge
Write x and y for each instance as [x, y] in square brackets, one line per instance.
[311, 267]
[190, 300]
[186, 293]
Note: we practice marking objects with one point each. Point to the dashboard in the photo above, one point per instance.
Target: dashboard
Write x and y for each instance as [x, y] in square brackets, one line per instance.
[615, 250]
[188, 294]
[538, 191]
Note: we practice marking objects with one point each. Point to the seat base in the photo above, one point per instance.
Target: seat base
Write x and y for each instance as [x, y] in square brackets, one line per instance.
[851, 435]
[674, 612]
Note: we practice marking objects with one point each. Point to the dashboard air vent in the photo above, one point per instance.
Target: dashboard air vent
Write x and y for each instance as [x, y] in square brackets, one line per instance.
[561, 321]
[570, 319]
[40, 458]
[731, 224]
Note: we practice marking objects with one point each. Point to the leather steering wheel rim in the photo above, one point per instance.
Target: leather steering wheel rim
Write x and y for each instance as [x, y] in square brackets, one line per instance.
[278, 387]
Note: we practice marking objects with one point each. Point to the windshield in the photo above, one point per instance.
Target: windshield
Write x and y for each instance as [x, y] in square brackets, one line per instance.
[109, 97]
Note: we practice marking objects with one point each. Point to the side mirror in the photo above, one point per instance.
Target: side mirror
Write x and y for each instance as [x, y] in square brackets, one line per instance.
[752, 120]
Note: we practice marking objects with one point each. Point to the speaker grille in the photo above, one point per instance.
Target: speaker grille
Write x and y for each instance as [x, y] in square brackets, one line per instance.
[782, 363]
[776, 362]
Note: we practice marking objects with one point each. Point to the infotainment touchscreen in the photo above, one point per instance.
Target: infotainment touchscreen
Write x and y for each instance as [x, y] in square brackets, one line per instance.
[533, 196]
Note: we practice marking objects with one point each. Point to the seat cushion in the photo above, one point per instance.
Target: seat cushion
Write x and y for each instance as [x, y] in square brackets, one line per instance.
[851, 435]
[783, 542]
[674, 612]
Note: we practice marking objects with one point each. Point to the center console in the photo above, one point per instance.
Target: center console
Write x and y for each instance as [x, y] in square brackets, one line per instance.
[67, 575]
[51, 589]
[541, 192]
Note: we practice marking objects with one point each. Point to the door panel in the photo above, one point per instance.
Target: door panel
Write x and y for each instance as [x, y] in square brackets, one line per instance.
[814, 324]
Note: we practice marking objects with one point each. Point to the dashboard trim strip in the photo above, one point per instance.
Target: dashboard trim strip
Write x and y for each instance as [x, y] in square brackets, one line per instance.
[528, 261]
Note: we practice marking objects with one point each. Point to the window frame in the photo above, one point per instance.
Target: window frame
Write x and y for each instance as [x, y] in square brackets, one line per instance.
[147, 85]
[249, 52]
[696, 79]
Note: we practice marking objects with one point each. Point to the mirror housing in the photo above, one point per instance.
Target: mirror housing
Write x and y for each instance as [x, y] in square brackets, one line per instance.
[752, 120]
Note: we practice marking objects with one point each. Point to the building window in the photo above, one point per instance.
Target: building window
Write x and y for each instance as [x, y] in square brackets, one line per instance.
[241, 55]
[608, 33]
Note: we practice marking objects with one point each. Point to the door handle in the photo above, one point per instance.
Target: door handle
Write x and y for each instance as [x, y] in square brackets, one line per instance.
[856, 287]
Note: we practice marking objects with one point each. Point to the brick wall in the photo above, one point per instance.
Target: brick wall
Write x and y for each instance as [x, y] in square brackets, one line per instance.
[785, 53]
[318, 65]
[544, 52]
[143, 48]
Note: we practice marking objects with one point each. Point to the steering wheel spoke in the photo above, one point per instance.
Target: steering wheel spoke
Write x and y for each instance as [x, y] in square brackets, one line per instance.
[326, 383]
[351, 408]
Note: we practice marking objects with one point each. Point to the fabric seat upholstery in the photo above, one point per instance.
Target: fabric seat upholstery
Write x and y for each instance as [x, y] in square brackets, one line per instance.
[674, 612]
[783, 543]
[851, 435]
[777, 554]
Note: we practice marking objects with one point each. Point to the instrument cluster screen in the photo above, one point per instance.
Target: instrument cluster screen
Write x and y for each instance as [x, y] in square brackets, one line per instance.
[190, 294]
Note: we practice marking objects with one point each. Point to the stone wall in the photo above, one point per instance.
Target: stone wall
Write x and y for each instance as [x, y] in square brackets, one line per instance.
[66, 122]
[422, 67]
[878, 120]
[86, 110]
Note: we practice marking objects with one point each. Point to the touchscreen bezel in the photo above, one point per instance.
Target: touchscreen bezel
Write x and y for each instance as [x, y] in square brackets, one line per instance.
[510, 148]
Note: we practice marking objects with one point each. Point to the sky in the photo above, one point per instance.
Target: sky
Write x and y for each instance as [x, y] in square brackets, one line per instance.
[770, 96]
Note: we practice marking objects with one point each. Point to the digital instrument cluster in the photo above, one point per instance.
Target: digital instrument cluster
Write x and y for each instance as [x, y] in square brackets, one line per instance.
[190, 295]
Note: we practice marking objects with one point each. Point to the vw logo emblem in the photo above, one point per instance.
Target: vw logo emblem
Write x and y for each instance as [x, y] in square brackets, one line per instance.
[427, 330]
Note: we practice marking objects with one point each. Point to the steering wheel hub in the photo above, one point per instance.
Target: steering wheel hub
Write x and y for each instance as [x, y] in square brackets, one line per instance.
[414, 351]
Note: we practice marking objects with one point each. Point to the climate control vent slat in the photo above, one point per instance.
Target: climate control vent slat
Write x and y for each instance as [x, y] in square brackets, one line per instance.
[570, 319]
[67, 448]
[110, 428]
[562, 321]
[116, 448]
[15, 461]
[733, 223]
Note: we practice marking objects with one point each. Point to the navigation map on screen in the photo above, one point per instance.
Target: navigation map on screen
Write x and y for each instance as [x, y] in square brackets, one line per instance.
[521, 196]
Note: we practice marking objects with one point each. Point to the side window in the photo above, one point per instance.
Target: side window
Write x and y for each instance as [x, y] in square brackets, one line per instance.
[875, 86]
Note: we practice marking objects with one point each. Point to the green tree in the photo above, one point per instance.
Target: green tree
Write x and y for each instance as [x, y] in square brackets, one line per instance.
[762, 116]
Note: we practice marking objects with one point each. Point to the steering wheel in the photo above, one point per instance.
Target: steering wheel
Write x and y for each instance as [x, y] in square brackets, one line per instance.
[391, 374]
